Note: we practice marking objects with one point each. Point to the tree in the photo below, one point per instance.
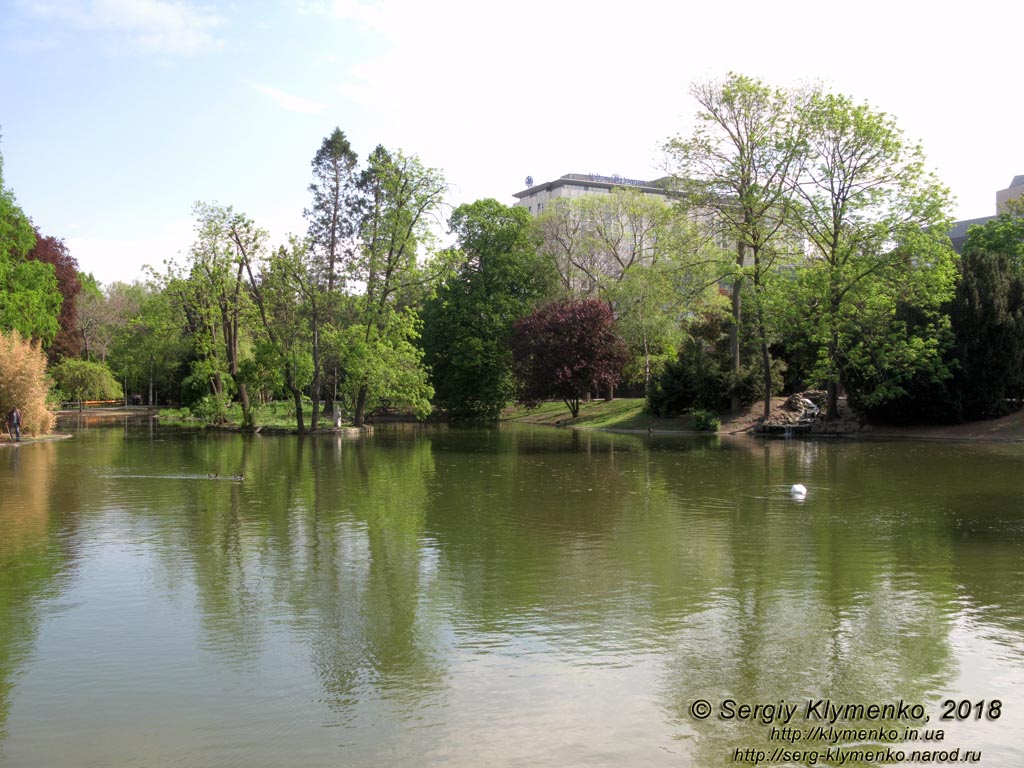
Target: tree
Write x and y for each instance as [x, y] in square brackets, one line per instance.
[144, 346]
[987, 316]
[53, 251]
[648, 260]
[497, 277]
[85, 380]
[567, 349]
[739, 166]
[401, 197]
[279, 285]
[23, 382]
[333, 226]
[29, 298]
[210, 299]
[385, 368]
[334, 215]
[91, 316]
[873, 218]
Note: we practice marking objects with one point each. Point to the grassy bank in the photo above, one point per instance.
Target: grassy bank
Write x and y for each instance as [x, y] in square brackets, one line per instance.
[622, 413]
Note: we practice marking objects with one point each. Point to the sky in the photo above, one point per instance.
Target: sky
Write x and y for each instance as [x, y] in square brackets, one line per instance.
[116, 116]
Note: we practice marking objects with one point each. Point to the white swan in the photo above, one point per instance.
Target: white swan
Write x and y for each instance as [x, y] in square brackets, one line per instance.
[798, 491]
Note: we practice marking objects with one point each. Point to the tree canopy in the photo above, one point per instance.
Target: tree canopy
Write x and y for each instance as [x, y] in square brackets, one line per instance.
[495, 277]
[567, 350]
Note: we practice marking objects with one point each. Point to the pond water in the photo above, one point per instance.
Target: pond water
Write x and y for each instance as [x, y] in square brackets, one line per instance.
[505, 597]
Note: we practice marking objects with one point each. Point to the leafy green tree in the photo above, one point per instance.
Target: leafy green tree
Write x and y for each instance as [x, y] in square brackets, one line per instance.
[698, 378]
[85, 380]
[210, 297]
[333, 226]
[987, 315]
[497, 278]
[1003, 234]
[29, 297]
[872, 216]
[650, 261]
[384, 369]
[279, 285]
[145, 347]
[402, 196]
[738, 167]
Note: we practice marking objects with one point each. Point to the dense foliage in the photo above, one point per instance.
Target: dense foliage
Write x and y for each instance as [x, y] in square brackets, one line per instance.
[567, 350]
[85, 380]
[494, 278]
[802, 245]
[23, 382]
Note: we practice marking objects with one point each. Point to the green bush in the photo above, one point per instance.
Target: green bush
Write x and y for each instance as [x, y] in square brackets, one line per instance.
[695, 379]
[213, 409]
[706, 421]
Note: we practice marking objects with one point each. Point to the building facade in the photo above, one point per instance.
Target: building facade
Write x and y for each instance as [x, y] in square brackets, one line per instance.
[958, 234]
[536, 197]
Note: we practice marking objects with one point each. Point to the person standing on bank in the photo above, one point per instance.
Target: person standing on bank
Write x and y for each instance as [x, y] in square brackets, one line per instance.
[14, 423]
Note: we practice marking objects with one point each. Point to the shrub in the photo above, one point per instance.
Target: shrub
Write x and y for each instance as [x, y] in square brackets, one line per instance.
[86, 380]
[23, 383]
[706, 421]
[696, 379]
[213, 409]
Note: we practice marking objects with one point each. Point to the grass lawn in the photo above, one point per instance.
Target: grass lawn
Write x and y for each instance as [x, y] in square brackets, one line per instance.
[621, 413]
[278, 414]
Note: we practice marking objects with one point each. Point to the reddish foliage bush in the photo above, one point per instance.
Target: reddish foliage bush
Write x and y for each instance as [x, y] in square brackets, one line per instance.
[567, 350]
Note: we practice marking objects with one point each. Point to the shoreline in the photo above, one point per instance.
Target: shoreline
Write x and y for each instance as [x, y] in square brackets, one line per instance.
[1006, 429]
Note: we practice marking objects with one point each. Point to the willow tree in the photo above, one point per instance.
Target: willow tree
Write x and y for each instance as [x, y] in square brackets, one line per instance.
[875, 220]
[737, 169]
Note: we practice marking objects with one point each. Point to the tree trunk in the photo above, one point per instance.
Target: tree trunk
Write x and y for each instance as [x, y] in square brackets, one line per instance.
[360, 415]
[734, 330]
[766, 364]
[832, 399]
[314, 390]
[299, 420]
[243, 395]
[289, 382]
[762, 328]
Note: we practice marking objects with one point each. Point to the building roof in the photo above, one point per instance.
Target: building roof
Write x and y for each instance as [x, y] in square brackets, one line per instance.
[1018, 181]
[958, 234]
[658, 186]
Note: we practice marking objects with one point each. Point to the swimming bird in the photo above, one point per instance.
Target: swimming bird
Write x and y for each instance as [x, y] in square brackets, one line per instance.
[238, 477]
[213, 475]
[798, 491]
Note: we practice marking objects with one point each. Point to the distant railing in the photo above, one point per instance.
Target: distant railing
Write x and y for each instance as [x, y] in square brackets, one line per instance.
[67, 405]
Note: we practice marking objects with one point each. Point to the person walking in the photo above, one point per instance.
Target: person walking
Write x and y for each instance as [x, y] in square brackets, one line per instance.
[14, 423]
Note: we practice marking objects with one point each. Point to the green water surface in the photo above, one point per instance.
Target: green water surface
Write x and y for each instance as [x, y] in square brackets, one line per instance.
[502, 597]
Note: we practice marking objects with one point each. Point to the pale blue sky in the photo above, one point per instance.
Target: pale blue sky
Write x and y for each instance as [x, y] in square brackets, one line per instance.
[116, 115]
